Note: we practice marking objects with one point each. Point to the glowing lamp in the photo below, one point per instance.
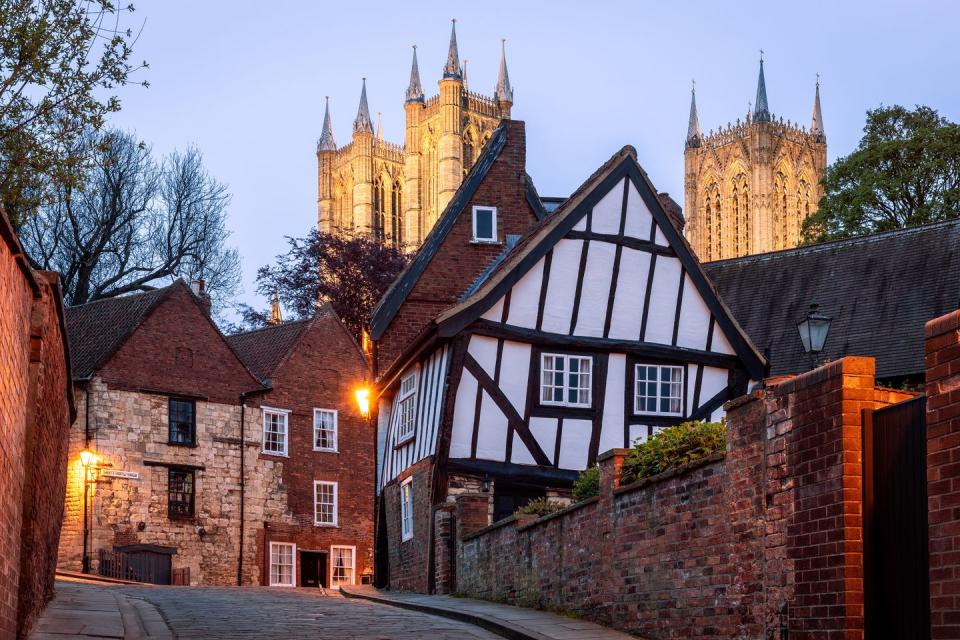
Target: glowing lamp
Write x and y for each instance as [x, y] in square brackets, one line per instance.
[87, 457]
[363, 400]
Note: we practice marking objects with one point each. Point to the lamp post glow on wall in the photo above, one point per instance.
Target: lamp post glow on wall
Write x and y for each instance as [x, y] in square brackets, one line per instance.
[362, 395]
[88, 460]
[813, 331]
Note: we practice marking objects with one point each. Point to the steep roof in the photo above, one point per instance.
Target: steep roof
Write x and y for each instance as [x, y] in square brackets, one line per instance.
[262, 350]
[394, 297]
[878, 289]
[97, 329]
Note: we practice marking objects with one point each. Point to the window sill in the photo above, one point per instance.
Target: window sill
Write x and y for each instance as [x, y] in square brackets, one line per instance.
[407, 539]
[182, 519]
[274, 454]
[657, 415]
[325, 525]
[325, 450]
[406, 440]
[477, 241]
[189, 445]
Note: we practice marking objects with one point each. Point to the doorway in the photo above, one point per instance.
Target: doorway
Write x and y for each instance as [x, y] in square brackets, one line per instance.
[313, 569]
[507, 498]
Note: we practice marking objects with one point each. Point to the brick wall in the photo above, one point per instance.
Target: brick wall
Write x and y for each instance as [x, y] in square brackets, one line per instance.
[760, 542]
[943, 472]
[409, 559]
[459, 261]
[35, 414]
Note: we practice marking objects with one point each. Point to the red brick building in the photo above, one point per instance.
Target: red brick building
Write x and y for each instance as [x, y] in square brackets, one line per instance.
[36, 408]
[313, 369]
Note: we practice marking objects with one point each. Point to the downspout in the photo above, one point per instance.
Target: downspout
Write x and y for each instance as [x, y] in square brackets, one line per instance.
[243, 482]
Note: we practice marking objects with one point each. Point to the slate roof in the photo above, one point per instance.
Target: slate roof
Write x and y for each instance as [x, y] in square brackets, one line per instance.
[97, 329]
[879, 289]
[262, 350]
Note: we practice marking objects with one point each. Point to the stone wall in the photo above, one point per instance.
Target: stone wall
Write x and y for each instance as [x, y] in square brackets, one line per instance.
[761, 542]
[943, 469]
[35, 413]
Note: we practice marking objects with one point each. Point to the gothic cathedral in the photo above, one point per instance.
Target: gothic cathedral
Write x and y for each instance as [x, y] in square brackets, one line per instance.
[749, 186]
[396, 193]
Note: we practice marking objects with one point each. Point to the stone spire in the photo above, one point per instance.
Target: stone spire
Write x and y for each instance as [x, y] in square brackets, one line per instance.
[693, 127]
[414, 89]
[503, 92]
[761, 110]
[326, 142]
[816, 122]
[276, 316]
[363, 124]
[452, 68]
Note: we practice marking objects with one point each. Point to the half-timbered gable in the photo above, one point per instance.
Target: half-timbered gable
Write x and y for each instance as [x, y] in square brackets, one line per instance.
[598, 330]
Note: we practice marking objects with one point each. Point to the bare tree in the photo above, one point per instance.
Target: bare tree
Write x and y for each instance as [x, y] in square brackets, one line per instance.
[134, 224]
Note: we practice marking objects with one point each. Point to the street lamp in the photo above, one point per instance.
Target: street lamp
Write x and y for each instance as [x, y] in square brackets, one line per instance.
[88, 459]
[362, 395]
[813, 331]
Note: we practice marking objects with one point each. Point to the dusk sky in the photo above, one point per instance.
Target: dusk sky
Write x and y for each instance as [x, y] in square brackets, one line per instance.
[245, 82]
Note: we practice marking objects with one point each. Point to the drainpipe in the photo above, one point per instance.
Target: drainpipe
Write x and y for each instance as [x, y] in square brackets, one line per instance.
[243, 482]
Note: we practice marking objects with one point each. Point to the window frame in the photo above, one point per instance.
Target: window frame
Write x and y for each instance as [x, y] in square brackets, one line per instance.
[493, 211]
[660, 366]
[265, 411]
[293, 564]
[336, 503]
[566, 380]
[193, 421]
[193, 493]
[406, 510]
[353, 567]
[410, 396]
[336, 430]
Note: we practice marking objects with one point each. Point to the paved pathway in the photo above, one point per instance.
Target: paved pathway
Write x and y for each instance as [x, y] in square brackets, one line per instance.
[83, 610]
[506, 620]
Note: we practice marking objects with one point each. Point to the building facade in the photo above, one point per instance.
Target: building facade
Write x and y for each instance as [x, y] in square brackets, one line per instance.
[395, 192]
[595, 330]
[197, 459]
[750, 185]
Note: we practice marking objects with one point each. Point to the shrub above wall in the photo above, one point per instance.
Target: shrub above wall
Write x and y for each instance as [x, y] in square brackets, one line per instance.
[673, 447]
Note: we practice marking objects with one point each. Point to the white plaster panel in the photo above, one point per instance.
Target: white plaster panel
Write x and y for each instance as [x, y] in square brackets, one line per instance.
[718, 415]
[581, 224]
[611, 433]
[484, 351]
[638, 433]
[606, 213]
[592, 312]
[514, 369]
[575, 444]
[720, 342]
[663, 300]
[691, 374]
[661, 239]
[494, 313]
[492, 439]
[525, 298]
[544, 430]
[520, 454]
[628, 299]
[564, 268]
[694, 318]
[462, 435]
[714, 381]
[639, 218]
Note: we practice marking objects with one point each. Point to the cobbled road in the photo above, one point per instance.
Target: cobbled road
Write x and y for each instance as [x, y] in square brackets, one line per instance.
[212, 613]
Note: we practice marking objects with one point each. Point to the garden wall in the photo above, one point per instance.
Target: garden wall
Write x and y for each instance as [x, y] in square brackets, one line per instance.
[763, 541]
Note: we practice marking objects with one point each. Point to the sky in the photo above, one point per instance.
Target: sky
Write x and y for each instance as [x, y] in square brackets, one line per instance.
[245, 82]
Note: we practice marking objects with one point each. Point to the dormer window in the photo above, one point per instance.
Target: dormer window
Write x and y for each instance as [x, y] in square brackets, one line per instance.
[484, 224]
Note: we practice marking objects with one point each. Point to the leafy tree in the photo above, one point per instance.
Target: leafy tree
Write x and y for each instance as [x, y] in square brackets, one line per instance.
[133, 223]
[905, 172]
[350, 273]
[60, 63]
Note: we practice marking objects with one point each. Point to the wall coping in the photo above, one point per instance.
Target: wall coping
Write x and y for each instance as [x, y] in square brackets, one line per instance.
[849, 365]
[557, 514]
[947, 323]
[671, 473]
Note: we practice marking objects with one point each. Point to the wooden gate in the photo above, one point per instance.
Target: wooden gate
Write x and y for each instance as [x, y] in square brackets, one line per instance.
[138, 562]
[895, 561]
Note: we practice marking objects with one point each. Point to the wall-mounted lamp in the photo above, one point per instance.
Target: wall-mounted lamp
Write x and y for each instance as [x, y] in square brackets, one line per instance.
[88, 457]
[813, 331]
[362, 395]
[486, 484]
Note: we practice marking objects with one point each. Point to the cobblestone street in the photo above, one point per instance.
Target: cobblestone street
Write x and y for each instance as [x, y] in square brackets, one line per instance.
[212, 613]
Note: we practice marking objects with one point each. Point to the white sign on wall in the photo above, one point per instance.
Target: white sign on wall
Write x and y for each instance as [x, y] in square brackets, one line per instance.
[116, 473]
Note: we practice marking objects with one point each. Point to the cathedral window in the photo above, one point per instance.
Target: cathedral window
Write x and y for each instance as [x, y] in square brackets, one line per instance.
[709, 227]
[736, 220]
[396, 216]
[378, 210]
[468, 151]
[718, 211]
[746, 218]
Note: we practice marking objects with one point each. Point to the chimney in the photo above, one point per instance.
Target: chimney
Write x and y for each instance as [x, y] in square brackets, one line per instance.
[199, 289]
[672, 209]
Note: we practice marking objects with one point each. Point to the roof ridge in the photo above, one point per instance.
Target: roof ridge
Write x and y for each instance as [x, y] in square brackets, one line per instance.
[860, 239]
[273, 326]
[126, 296]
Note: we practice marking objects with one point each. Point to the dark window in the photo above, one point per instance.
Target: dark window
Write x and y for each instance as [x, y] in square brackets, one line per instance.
[180, 493]
[183, 423]
[484, 224]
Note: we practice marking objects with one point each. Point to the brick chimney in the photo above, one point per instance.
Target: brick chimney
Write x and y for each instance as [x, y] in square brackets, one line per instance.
[199, 289]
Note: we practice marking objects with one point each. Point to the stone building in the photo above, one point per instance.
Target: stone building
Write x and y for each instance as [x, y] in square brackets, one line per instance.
[188, 467]
[396, 192]
[750, 185]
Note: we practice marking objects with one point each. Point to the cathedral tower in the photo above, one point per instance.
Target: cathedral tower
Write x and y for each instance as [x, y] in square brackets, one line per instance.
[749, 186]
[396, 193]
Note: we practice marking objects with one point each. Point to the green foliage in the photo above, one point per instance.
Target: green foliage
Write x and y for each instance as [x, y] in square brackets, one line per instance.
[905, 172]
[587, 484]
[673, 447]
[539, 507]
[60, 64]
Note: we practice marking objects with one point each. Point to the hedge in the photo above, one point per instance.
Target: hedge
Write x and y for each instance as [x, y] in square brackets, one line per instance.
[673, 447]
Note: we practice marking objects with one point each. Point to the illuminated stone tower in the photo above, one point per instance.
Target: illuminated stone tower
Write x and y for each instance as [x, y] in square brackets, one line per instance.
[396, 193]
[750, 185]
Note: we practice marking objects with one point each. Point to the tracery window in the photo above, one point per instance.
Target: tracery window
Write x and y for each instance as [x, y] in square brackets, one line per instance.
[736, 219]
[396, 216]
[469, 148]
[379, 204]
[718, 214]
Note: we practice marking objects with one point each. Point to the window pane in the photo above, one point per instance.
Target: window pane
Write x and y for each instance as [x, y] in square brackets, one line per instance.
[181, 421]
[179, 492]
[326, 503]
[484, 223]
